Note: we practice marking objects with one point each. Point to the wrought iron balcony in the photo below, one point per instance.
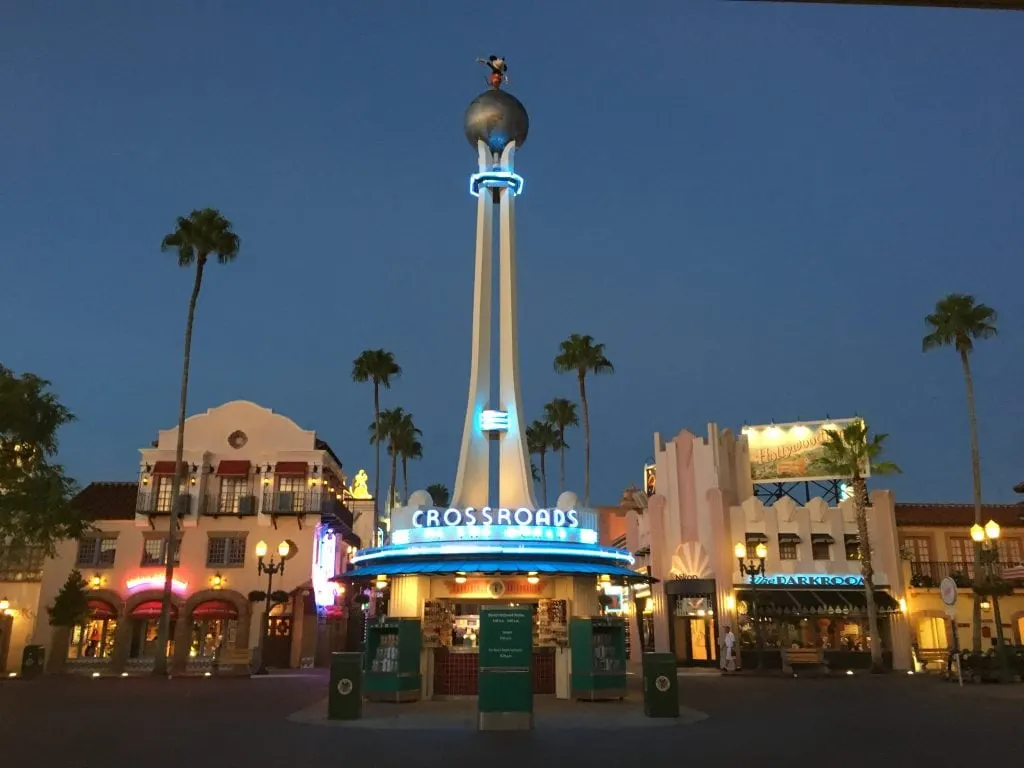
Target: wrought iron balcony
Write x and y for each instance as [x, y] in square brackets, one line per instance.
[235, 504]
[925, 574]
[152, 503]
[292, 502]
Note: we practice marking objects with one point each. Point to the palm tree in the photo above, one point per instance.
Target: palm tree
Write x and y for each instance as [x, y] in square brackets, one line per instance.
[405, 441]
[849, 453]
[958, 322]
[541, 437]
[561, 413]
[580, 355]
[439, 494]
[378, 366]
[391, 424]
[202, 234]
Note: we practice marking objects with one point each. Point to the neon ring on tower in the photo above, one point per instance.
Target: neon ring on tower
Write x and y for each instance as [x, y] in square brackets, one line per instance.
[496, 180]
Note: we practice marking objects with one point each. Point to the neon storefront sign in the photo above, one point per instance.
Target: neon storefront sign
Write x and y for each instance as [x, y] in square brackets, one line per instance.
[501, 516]
[405, 536]
[155, 581]
[324, 590]
[808, 580]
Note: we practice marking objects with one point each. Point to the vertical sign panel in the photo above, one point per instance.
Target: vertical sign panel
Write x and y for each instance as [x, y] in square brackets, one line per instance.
[506, 658]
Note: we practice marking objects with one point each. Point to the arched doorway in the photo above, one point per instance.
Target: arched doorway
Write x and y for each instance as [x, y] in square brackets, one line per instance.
[91, 643]
[213, 630]
[144, 622]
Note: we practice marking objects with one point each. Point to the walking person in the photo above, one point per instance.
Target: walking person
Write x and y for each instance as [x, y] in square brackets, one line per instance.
[729, 644]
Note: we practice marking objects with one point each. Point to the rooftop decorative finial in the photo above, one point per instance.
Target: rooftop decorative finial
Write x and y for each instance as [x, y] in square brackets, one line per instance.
[499, 71]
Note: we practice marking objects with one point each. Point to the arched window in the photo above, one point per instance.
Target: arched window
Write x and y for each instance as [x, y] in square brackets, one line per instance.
[94, 638]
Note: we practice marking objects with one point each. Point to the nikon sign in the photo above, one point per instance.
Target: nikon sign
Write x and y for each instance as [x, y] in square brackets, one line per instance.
[791, 453]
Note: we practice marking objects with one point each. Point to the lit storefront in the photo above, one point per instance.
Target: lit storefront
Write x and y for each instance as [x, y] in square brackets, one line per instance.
[443, 567]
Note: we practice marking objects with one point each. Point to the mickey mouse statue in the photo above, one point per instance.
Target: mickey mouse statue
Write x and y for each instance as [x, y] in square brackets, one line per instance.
[499, 71]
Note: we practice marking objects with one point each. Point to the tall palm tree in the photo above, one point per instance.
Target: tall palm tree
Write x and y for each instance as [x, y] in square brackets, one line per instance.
[439, 494]
[958, 321]
[849, 453]
[562, 413]
[386, 429]
[406, 442]
[542, 437]
[378, 366]
[580, 355]
[203, 233]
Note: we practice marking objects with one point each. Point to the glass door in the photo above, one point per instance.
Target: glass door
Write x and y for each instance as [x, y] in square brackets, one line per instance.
[694, 634]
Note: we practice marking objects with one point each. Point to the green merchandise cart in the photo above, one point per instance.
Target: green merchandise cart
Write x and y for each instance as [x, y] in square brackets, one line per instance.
[391, 664]
[598, 647]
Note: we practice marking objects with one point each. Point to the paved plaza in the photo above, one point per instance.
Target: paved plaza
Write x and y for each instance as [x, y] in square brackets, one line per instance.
[82, 723]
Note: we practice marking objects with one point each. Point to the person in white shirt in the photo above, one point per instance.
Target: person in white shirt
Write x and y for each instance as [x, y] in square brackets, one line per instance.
[728, 658]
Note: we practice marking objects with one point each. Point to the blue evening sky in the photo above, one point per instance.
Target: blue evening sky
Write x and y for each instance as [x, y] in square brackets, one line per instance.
[752, 205]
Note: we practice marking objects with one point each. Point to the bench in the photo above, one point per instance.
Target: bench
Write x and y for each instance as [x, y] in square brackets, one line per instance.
[803, 657]
[932, 659]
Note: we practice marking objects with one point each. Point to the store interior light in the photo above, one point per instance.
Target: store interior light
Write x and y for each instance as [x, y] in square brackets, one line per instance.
[533, 579]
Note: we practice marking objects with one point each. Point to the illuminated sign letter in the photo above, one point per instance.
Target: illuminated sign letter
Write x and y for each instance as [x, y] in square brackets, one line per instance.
[523, 516]
[542, 517]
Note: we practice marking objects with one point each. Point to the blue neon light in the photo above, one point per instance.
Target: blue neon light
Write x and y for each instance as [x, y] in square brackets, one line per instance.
[549, 533]
[496, 179]
[514, 550]
[494, 421]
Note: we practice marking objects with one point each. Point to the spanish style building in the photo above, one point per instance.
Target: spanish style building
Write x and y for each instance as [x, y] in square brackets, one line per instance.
[249, 475]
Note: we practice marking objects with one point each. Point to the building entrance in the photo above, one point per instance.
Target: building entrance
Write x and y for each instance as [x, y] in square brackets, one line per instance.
[693, 627]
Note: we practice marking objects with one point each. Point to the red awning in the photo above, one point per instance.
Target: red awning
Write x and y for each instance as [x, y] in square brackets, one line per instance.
[292, 468]
[151, 609]
[167, 468]
[215, 609]
[101, 609]
[234, 468]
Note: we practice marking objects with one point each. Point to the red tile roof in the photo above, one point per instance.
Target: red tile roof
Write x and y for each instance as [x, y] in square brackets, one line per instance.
[107, 501]
[949, 515]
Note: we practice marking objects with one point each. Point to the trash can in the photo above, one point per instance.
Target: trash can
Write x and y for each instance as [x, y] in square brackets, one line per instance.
[661, 686]
[345, 697]
[32, 659]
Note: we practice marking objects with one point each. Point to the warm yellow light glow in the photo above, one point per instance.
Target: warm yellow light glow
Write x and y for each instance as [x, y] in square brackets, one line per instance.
[730, 602]
[531, 573]
[283, 548]
[903, 605]
[606, 578]
[217, 581]
[761, 551]
[986, 605]
[381, 583]
[992, 529]
[460, 579]
[977, 532]
[740, 550]
[533, 579]
[5, 604]
[261, 548]
[95, 581]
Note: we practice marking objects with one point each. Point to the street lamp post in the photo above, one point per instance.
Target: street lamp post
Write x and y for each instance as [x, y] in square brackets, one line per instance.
[753, 567]
[270, 568]
[988, 538]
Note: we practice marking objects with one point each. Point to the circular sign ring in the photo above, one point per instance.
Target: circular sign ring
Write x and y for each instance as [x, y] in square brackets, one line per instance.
[662, 683]
[345, 686]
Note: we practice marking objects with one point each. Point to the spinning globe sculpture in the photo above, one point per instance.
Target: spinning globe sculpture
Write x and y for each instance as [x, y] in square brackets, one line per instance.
[496, 118]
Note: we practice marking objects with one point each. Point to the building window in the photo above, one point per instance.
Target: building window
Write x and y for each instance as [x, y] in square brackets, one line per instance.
[164, 486]
[93, 640]
[232, 489]
[787, 549]
[852, 542]
[154, 551]
[19, 562]
[1010, 551]
[918, 549]
[225, 551]
[96, 552]
[821, 549]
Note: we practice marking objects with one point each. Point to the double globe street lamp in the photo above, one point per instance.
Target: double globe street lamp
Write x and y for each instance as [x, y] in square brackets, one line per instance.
[987, 581]
[753, 567]
[271, 568]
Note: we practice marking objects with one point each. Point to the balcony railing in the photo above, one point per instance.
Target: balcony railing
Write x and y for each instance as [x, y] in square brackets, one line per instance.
[930, 573]
[152, 503]
[239, 504]
[292, 502]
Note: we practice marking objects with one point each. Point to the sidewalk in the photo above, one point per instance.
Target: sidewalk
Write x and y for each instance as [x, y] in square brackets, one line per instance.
[549, 714]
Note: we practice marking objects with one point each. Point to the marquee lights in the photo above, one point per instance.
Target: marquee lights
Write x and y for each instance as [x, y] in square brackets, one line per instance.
[523, 516]
[494, 533]
[497, 548]
[494, 421]
[496, 179]
[155, 581]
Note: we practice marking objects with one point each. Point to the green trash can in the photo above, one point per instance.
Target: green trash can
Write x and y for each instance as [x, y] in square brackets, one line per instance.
[32, 659]
[661, 686]
[345, 698]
